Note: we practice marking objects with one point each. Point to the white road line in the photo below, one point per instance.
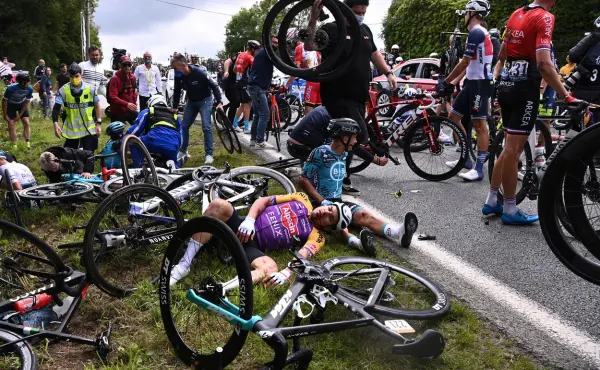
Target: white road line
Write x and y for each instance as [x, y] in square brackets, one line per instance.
[551, 324]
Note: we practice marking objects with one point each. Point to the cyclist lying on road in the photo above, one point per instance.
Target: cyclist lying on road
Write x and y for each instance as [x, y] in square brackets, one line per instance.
[19, 174]
[322, 178]
[271, 225]
[84, 162]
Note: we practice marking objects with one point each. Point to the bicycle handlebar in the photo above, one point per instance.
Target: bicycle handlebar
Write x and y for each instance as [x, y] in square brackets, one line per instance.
[432, 97]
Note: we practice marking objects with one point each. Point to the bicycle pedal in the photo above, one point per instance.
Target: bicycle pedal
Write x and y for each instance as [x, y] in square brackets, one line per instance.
[103, 343]
[322, 295]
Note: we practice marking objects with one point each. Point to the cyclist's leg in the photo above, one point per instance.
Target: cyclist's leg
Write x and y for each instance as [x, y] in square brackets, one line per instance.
[26, 126]
[89, 142]
[12, 114]
[460, 108]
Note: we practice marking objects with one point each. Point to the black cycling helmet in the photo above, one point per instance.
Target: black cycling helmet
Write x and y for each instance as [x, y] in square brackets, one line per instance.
[23, 77]
[253, 44]
[74, 69]
[597, 23]
[351, 3]
[341, 127]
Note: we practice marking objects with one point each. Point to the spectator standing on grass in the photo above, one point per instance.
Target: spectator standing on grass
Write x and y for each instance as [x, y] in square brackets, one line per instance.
[93, 73]
[200, 101]
[62, 78]
[6, 69]
[40, 70]
[259, 82]
[148, 78]
[46, 91]
[123, 97]
[15, 107]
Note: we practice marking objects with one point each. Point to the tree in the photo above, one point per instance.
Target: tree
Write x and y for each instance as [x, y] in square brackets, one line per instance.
[245, 25]
[52, 32]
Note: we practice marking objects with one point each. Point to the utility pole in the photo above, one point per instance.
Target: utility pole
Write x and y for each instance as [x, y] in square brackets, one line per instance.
[88, 14]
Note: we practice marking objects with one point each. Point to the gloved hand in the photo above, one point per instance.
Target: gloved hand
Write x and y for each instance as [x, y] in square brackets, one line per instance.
[570, 99]
[246, 230]
[444, 88]
[278, 278]
[326, 202]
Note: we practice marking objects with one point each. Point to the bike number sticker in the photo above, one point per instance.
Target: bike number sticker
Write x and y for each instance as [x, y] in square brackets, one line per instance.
[399, 326]
[594, 76]
[516, 71]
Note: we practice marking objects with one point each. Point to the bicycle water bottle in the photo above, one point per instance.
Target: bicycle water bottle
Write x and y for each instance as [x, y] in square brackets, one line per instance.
[540, 157]
[32, 303]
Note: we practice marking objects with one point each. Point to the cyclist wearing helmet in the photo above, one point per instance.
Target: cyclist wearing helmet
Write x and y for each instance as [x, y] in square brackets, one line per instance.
[15, 107]
[79, 101]
[473, 100]
[587, 54]
[159, 129]
[242, 67]
[115, 133]
[195, 58]
[496, 45]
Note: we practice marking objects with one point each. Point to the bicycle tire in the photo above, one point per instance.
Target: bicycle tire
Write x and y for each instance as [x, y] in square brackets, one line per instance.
[75, 190]
[107, 188]
[327, 70]
[228, 240]
[147, 162]
[552, 183]
[295, 105]
[27, 358]
[436, 306]
[285, 113]
[115, 285]
[363, 163]
[435, 121]
[223, 130]
[13, 198]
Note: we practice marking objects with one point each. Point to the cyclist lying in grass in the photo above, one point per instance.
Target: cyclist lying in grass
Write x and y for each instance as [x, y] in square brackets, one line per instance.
[84, 162]
[322, 178]
[19, 175]
[271, 225]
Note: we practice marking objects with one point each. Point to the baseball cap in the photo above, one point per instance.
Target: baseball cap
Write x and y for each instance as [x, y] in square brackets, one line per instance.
[125, 59]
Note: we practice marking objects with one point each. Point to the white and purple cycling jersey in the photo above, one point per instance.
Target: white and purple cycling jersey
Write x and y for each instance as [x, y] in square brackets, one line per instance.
[481, 52]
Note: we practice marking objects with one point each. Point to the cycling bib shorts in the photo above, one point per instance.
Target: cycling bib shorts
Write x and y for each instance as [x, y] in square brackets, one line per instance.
[473, 99]
[312, 94]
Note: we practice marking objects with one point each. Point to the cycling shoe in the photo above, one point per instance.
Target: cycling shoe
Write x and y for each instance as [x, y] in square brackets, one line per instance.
[488, 210]
[410, 226]
[366, 241]
[519, 218]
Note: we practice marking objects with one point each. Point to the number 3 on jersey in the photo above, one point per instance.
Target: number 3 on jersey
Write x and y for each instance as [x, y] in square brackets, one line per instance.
[594, 76]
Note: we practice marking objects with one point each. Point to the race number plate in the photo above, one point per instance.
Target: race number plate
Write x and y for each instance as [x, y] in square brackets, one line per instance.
[515, 71]
[399, 326]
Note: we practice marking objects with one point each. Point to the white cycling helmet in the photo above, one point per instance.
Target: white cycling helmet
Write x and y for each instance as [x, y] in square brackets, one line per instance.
[345, 216]
[157, 99]
[399, 60]
[480, 6]
[194, 55]
[597, 23]
[434, 55]
[410, 92]
[395, 47]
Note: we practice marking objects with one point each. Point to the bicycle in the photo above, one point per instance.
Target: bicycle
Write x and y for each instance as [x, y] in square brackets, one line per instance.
[219, 296]
[279, 112]
[134, 224]
[422, 134]
[30, 261]
[295, 99]
[225, 130]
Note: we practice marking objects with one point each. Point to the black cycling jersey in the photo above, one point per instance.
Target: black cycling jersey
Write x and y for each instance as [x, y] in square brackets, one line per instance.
[312, 129]
[587, 54]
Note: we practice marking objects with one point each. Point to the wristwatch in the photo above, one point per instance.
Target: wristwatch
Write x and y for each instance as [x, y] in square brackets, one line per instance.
[387, 73]
[98, 121]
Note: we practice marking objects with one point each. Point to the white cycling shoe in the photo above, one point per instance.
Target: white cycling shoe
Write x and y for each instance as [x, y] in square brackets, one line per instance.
[178, 273]
[472, 175]
[452, 164]
[444, 139]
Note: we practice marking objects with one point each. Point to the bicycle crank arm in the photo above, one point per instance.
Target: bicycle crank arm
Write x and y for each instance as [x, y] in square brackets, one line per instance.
[394, 160]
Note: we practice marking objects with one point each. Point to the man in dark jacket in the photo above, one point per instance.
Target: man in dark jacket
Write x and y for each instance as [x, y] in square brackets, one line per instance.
[586, 54]
[40, 70]
[54, 169]
[200, 89]
[122, 95]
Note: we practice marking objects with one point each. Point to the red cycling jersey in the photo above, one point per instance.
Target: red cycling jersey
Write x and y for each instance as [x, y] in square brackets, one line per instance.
[243, 64]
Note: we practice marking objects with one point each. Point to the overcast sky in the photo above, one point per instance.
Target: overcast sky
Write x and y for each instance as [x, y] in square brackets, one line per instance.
[140, 25]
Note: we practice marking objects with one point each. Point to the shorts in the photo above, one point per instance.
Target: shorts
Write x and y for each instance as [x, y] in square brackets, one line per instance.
[298, 151]
[89, 142]
[473, 99]
[312, 94]
[250, 247]
[244, 97]
[519, 110]
[12, 110]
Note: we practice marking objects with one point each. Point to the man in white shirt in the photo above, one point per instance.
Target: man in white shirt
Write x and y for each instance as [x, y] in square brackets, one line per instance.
[149, 82]
[19, 174]
[6, 68]
[93, 73]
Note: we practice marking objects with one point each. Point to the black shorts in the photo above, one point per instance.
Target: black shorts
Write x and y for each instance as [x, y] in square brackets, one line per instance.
[344, 108]
[473, 99]
[12, 110]
[244, 97]
[519, 109]
[89, 142]
[250, 247]
[298, 151]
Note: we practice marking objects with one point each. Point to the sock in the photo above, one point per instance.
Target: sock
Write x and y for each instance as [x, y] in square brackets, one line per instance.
[354, 242]
[481, 156]
[510, 206]
[393, 231]
[492, 198]
[235, 121]
[192, 248]
[246, 125]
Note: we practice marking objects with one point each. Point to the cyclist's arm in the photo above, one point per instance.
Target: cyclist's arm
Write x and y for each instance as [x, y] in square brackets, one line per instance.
[309, 189]
[457, 80]
[578, 52]
[314, 243]
[139, 124]
[543, 55]
[379, 62]
[258, 206]
[312, 25]
[310, 171]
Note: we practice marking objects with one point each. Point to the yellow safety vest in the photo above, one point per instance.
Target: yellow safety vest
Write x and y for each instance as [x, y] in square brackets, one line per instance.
[162, 117]
[79, 122]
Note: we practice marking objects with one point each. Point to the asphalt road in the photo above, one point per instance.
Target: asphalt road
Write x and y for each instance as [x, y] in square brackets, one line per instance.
[506, 274]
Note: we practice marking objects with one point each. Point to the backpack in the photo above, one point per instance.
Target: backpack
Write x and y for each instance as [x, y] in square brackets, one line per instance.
[116, 57]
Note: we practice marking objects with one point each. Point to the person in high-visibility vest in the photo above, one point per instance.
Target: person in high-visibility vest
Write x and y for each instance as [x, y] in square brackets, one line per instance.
[79, 101]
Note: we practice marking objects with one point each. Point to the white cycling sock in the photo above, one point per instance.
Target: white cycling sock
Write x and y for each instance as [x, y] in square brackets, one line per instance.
[393, 231]
[192, 248]
[354, 242]
[510, 206]
[492, 198]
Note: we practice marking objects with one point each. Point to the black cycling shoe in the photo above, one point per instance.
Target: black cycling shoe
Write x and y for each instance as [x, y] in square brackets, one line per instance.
[348, 189]
[410, 227]
[366, 241]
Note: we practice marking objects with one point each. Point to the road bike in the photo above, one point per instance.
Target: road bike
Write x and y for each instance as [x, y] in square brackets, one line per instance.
[295, 99]
[208, 314]
[132, 226]
[429, 141]
[39, 295]
[225, 131]
[279, 116]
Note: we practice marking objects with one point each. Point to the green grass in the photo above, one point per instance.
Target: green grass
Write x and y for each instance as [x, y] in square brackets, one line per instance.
[139, 340]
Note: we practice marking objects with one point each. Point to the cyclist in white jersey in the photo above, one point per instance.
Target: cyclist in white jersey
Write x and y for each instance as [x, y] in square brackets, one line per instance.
[305, 59]
[474, 98]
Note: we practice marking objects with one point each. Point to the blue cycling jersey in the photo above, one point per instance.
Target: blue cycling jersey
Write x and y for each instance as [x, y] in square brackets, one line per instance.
[15, 94]
[325, 170]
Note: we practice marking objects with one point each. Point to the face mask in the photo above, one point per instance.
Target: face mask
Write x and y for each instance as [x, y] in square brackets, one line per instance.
[148, 60]
[178, 74]
[75, 81]
[360, 18]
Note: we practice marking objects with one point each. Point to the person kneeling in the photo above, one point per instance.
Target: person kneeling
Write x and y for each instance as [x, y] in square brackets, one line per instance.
[50, 162]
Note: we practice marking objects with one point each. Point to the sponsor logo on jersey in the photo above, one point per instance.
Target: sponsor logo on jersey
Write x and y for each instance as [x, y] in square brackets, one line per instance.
[288, 219]
[549, 22]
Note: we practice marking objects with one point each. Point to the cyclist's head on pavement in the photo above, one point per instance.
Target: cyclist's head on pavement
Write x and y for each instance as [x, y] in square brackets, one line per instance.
[359, 8]
[48, 162]
[343, 131]
[23, 79]
[125, 64]
[179, 63]
[475, 11]
[252, 46]
[328, 217]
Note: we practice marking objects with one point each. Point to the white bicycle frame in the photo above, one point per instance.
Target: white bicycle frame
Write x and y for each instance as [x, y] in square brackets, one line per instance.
[399, 132]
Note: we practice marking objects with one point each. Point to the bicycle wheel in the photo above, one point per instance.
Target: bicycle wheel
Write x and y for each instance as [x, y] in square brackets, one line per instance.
[430, 164]
[570, 161]
[285, 113]
[136, 162]
[126, 236]
[19, 356]
[224, 130]
[116, 183]
[296, 108]
[12, 199]
[207, 278]
[58, 191]
[266, 182]
[358, 164]
[405, 294]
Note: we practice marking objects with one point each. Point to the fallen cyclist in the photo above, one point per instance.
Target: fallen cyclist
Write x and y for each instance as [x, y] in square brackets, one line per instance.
[18, 174]
[322, 179]
[50, 162]
[270, 225]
